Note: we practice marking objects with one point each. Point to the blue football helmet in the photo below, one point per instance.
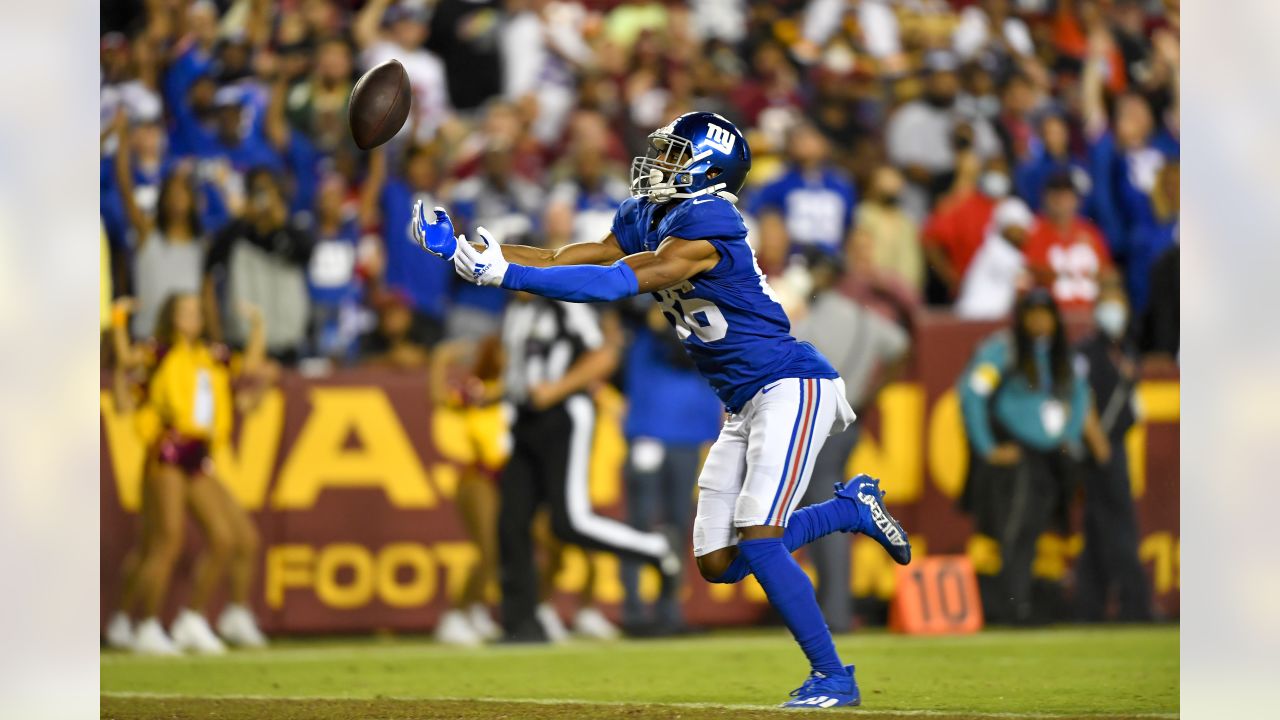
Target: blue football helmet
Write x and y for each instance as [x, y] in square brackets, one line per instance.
[699, 153]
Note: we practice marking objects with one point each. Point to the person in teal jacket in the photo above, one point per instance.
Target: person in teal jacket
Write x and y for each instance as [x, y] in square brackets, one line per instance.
[1024, 410]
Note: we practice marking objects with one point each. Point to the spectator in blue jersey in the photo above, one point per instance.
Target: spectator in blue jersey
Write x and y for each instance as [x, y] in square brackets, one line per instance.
[1126, 152]
[671, 414]
[1049, 154]
[506, 205]
[334, 275]
[1154, 237]
[387, 202]
[1024, 407]
[809, 208]
[213, 129]
[139, 144]
[297, 151]
[195, 56]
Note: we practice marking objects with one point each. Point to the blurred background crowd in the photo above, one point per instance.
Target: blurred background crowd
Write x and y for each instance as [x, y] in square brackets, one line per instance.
[985, 158]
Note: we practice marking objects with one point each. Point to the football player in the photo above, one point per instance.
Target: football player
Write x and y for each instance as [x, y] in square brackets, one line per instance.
[680, 237]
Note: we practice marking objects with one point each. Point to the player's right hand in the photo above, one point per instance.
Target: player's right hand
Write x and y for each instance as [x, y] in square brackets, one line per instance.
[434, 233]
[484, 265]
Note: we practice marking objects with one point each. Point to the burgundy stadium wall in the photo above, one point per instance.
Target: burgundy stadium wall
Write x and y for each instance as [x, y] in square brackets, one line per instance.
[349, 482]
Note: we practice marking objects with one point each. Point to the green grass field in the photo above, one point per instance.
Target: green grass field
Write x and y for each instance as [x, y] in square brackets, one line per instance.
[1126, 672]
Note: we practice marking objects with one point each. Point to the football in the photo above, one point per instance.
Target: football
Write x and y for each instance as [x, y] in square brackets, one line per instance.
[379, 104]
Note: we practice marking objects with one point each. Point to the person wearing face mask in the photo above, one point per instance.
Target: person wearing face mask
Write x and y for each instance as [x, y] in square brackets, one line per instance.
[1024, 407]
[1109, 564]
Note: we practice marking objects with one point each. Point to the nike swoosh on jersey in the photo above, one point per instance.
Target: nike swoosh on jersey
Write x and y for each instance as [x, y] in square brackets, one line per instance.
[699, 202]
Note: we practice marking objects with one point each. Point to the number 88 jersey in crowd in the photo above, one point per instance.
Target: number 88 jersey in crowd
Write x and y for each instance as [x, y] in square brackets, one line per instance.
[727, 318]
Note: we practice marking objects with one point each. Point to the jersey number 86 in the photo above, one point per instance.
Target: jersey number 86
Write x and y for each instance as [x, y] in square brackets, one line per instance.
[692, 315]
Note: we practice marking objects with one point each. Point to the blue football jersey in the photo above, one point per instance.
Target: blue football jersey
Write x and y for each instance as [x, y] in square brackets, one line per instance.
[727, 318]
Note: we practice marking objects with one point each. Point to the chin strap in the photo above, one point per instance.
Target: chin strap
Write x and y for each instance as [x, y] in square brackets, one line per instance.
[661, 192]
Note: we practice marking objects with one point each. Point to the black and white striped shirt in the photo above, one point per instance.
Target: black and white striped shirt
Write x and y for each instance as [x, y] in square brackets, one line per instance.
[542, 339]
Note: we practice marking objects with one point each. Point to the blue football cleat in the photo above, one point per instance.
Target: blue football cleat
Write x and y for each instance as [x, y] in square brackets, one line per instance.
[820, 692]
[876, 522]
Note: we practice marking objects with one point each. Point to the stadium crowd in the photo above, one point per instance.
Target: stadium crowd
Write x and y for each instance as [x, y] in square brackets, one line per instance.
[947, 154]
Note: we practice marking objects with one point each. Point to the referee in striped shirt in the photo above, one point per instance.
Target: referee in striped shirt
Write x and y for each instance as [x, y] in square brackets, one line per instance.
[555, 352]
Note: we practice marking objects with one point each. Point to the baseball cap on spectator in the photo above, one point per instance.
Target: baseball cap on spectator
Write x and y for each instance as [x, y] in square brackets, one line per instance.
[144, 108]
[1013, 213]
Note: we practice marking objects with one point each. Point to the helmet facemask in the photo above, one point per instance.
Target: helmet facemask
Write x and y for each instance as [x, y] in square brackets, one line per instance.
[664, 170]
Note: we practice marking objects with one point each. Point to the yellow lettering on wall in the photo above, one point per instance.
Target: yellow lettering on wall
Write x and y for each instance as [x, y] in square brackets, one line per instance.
[752, 591]
[287, 566]
[1135, 445]
[127, 451]
[608, 448]
[420, 586]
[445, 476]
[358, 590]
[457, 558]
[1159, 401]
[984, 553]
[872, 573]
[948, 447]
[1162, 550]
[246, 468]
[382, 456]
[1052, 553]
[721, 592]
[894, 457]
[449, 434]
[650, 583]
[608, 582]
[573, 570]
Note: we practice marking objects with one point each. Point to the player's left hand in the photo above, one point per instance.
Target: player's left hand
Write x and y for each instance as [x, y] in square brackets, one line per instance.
[482, 267]
[434, 233]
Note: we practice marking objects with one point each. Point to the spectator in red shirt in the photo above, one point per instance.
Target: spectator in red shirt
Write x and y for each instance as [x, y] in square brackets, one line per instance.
[957, 228]
[1066, 252]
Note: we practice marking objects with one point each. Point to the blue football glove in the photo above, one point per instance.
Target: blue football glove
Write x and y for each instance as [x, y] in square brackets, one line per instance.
[434, 233]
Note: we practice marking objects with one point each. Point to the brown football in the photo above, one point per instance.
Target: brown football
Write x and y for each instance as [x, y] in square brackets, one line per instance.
[379, 104]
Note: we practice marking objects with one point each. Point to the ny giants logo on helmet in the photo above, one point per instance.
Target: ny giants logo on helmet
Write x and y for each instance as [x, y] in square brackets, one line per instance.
[720, 138]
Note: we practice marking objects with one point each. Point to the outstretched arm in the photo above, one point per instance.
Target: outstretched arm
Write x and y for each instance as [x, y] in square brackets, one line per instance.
[675, 261]
[433, 231]
[604, 251]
